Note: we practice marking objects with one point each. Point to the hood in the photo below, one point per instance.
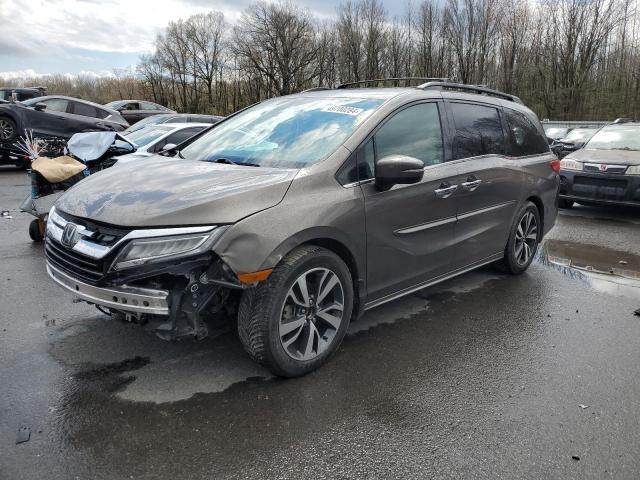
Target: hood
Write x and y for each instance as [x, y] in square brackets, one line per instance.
[163, 192]
[611, 157]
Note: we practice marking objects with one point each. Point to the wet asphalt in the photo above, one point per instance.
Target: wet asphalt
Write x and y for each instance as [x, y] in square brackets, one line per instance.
[485, 376]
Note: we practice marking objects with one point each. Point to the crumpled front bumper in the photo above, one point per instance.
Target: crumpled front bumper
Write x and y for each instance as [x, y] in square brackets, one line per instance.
[124, 298]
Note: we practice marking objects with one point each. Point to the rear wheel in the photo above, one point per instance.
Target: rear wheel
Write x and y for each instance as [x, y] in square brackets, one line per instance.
[8, 130]
[524, 237]
[296, 319]
[564, 203]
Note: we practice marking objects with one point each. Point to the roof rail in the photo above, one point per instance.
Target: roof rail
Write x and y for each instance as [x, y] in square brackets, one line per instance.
[479, 89]
[392, 79]
[315, 89]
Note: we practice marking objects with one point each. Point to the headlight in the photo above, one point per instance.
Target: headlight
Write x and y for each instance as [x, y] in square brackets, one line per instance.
[633, 170]
[148, 250]
[569, 164]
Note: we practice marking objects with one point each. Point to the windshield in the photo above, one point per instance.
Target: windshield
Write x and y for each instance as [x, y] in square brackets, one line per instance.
[555, 132]
[578, 135]
[152, 120]
[32, 101]
[116, 103]
[146, 135]
[616, 138]
[286, 132]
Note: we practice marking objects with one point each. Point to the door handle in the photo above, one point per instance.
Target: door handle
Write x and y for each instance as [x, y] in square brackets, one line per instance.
[471, 185]
[445, 190]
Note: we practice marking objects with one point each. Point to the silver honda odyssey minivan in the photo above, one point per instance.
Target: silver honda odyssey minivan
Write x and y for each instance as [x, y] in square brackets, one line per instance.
[298, 214]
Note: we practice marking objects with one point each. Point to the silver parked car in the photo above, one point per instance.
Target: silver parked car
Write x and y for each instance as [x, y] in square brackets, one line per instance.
[300, 213]
[606, 170]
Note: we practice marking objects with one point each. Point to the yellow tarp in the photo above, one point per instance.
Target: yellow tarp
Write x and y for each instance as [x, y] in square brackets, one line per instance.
[58, 169]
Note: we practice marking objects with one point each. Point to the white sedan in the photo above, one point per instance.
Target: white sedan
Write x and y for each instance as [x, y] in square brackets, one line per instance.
[155, 138]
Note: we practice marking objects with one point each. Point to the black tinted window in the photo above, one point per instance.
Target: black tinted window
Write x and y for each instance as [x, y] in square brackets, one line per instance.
[84, 110]
[478, 131]
[525, 137]
[415, 132]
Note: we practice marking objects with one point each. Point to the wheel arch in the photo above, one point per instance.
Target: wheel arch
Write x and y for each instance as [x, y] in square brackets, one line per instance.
[335, 242]
[537, 201]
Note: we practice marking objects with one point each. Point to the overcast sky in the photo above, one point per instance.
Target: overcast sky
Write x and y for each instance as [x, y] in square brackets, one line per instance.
[96, 36]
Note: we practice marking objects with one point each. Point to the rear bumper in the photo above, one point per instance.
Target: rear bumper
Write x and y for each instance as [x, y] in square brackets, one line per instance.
[127, 299]
[613, 189]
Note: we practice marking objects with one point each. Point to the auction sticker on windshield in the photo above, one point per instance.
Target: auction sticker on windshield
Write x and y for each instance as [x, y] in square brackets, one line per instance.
[343, 109]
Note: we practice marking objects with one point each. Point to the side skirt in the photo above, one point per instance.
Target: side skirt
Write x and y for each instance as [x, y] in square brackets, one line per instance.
[433, 281]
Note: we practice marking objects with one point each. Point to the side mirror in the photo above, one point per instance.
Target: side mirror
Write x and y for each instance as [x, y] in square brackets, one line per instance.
[168, 147]
[398, 169]
[40, 106]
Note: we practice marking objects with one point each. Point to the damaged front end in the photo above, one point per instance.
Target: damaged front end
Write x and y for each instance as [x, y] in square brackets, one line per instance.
[169, 276]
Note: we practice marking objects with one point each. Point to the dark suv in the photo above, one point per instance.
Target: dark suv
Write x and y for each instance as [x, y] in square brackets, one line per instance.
[301, 212]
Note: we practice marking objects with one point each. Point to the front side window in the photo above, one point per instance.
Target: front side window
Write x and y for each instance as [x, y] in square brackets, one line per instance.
[616, 137]
[56, 104]
[286, 132]
[415, 132]
[478, 131]
[525, 137]
[177, 138]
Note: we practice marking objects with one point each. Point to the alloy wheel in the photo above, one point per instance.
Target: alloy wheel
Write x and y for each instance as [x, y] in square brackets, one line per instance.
[312, 314]
[526, 238]
[6, 129]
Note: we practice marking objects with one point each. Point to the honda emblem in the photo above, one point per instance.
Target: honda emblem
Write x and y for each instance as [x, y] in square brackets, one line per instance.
[70, 235]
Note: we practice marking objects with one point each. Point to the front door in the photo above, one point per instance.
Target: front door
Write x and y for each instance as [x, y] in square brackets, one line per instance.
[409, 227]
[53, 121]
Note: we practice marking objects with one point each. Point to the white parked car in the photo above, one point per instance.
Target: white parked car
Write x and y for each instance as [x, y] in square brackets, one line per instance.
[155, 138]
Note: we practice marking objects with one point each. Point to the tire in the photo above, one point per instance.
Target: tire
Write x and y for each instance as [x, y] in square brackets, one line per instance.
[514, 261]
[8, 130]
[282, 346]
[35, 232]
[563, 203]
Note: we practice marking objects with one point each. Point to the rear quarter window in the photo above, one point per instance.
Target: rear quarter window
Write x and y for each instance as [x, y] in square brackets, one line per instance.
[524, 138]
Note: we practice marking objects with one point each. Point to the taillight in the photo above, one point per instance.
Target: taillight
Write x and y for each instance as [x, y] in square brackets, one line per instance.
[555, 165]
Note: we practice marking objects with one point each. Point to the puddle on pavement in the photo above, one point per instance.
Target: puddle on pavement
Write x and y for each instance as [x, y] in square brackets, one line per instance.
[606, 270]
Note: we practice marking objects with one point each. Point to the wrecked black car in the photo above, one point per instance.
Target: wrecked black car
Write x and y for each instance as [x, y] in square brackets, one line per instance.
[52, 117]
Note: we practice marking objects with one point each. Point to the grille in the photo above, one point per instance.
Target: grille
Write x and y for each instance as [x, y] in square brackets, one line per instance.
[619, 169]
[77, 265]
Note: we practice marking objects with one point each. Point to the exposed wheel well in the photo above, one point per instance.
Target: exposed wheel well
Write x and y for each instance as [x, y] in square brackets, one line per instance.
[347, 257]
[540, 206]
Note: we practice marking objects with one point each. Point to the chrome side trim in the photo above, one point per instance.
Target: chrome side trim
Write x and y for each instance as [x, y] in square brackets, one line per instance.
[433, 281]
[128, 299]
[425, 226]
[485, 210]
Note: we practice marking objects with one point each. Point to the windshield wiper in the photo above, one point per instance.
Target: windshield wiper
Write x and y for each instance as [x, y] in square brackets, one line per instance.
[231, 162]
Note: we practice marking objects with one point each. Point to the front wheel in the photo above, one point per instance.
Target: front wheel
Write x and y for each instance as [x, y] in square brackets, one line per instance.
[8, 130]
[524, 236]
[296, 319]
[36, 230]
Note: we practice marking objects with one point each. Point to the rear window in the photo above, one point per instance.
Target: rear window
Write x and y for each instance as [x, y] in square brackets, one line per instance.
[478, 131]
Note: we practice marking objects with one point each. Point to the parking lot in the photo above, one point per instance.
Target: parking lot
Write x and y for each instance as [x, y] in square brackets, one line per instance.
[485, 376]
